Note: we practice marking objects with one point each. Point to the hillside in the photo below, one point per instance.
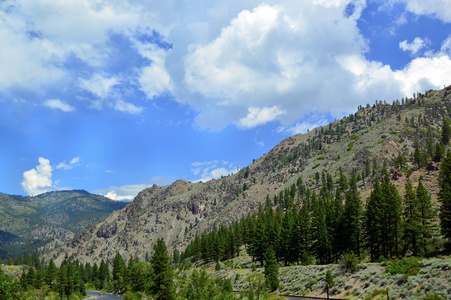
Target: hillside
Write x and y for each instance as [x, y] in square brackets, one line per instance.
[359, 143]
[27, 223]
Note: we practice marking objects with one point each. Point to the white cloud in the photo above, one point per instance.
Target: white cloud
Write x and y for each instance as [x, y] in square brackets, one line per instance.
[127, 107]
[440, 9]
[212, 169]
[99, 85]
[38, 180]
[417, 44]
[154, 79]
[258, 116]
[65, 166]
[129, 192]
[228, 60]
[58, 104]
[446, 46]
[75, 160]
[280, 56]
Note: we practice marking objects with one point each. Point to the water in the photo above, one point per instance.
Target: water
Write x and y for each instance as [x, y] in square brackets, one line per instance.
[103, 296]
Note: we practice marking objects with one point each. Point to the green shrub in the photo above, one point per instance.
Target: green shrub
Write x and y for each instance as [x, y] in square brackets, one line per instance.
[132, 296]
[316, 166]
[383, 136]
[349, 261]
[350, 145]
[407, 266]
[375, 293]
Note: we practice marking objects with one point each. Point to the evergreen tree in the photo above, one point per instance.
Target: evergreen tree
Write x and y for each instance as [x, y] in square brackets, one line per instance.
[9, 260]
[271, 269]
[392, 216]
[104, 273]
[412, 227]
[259, 241]
[285, 238]
[50, 274]
[162, 275]
[444, 196]
[446, 131]
[427, 214]
[62, 280]
[352, 219]
[119, 273]
[321, 244]
[329, 281]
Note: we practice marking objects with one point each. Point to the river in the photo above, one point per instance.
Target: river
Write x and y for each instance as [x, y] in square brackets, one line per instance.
[103, 296]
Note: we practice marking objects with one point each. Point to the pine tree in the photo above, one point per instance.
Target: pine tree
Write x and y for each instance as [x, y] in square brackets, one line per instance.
[329, 281]
[427, 214]
[163, 274]
[50, 274]
[62, 279]
[373, 221]
[271, 269]
[119, 273]
[352, 218]
[392, 216]
[444, 196]
[412, 227]
[321, 245]
[9, 259]
[446, 131]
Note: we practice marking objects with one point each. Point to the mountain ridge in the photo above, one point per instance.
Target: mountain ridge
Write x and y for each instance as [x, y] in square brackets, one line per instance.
[177, 212]
[28, 222]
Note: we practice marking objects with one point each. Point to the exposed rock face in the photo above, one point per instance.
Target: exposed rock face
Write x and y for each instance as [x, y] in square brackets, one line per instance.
[182, 210]
[107, 230]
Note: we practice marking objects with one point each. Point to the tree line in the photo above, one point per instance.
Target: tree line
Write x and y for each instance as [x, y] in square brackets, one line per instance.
[303, 226]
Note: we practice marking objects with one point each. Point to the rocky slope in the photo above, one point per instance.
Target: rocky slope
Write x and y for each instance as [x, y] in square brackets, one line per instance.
[27, 223]
[361, 141]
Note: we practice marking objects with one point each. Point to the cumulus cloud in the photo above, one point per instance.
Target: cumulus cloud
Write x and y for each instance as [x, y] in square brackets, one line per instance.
[212, 169]
[440, 9]
[58, 104]
[235, 62]
[417, 44]
[38, 180]
[258, 116]
[154, 79]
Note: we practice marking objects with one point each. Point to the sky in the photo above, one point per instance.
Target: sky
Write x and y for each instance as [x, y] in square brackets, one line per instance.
[115, 96]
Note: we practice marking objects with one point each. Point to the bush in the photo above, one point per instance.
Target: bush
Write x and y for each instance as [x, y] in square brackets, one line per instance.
[375, 293]
[408, 266]
[132, 296]
[349, 261]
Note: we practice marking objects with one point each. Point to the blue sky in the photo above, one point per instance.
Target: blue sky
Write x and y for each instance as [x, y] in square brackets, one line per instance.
[114, 96]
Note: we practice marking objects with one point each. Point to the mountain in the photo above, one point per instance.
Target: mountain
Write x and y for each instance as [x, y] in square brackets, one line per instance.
[361, 142]
[27, 223]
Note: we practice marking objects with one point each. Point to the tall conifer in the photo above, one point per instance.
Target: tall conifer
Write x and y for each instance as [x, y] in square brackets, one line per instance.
[412, 227]
[444, 196]
[163, 273]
